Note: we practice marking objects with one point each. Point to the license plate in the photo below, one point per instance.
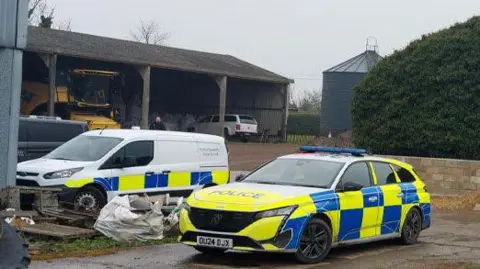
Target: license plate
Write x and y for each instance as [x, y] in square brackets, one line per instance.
[214, 242]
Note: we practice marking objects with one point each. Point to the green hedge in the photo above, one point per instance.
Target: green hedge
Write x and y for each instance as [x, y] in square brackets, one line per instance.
[425, 99]
[303, 124]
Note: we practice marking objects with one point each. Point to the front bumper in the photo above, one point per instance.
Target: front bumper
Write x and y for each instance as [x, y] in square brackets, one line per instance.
[262, 235]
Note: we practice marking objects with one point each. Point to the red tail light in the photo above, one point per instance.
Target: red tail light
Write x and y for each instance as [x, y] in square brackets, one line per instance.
[237, 127]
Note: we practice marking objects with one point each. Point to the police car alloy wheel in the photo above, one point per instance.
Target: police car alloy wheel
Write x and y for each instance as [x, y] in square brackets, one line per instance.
[315, 242]
[412, 227]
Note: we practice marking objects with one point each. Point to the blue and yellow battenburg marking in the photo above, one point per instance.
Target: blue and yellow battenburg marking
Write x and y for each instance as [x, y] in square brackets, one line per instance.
[142, 181]
[356, 215]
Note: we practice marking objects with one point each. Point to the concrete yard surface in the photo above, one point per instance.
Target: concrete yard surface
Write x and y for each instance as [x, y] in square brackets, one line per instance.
[453, 240]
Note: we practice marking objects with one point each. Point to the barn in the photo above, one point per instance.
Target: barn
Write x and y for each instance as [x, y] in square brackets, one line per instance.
[159, 80]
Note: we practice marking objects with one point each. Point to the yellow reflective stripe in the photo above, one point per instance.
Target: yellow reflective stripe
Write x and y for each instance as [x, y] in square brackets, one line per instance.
[78, 183]
[131, 182]
[374, 175]
[220, 176]
[179, 179]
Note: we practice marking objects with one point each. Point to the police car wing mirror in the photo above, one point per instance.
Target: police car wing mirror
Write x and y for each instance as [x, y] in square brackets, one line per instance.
[350, 186]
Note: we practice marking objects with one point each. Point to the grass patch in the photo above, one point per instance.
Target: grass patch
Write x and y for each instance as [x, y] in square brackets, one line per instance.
[299, 139]
[96, 246]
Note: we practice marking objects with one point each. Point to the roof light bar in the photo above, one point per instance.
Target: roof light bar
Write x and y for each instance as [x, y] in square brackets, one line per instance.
[352, 151]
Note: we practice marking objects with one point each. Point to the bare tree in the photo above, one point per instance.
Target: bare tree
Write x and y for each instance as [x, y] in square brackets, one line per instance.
[39, 13]
[64, 25]
[150, 33]
[309, 101]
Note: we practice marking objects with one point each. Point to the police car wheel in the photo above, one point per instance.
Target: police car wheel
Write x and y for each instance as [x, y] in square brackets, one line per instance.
[209, 251]
[315, 242]
[89, 198]
[412, 227]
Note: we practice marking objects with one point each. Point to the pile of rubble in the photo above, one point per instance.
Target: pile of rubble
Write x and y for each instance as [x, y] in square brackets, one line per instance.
[124, 218]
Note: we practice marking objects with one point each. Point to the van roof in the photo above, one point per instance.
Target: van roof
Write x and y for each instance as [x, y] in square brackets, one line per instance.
[148, 134]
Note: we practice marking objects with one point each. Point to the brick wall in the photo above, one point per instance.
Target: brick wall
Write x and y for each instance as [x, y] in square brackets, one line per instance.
[446, 175]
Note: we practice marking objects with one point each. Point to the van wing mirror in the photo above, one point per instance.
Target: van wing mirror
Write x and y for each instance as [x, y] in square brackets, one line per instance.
[239, 177]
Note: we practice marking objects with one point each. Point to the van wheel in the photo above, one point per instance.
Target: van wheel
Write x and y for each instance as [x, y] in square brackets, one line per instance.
[89, 198]
[315, 242]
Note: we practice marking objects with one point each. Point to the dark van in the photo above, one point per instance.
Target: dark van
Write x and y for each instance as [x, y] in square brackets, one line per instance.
[38, 136]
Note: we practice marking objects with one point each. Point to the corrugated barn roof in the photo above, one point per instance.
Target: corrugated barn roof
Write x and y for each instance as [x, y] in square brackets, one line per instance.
[42, 40]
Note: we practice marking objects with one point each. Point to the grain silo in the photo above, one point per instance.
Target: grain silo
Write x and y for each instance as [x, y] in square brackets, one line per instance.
[338, 83]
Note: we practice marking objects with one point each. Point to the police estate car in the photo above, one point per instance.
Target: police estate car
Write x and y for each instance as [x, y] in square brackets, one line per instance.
[307, 203]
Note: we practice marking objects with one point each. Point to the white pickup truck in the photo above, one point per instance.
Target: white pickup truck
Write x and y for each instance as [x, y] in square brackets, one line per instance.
[236, 125]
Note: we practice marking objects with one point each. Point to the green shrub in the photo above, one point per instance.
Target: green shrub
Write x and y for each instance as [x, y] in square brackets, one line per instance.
[425, 99]
[303, 124]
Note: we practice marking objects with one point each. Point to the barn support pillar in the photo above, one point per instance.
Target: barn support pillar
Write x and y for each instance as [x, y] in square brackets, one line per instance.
[222, 85]
[145, 74]
[50, 61]
[286, 102]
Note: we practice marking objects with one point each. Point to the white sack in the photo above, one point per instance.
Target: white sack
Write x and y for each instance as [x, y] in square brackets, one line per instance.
[117, 221]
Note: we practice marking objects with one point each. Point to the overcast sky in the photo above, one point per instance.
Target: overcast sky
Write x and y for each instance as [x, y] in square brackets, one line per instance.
[298, 39]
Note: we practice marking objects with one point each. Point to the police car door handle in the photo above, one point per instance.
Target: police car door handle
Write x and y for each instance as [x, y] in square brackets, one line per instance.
[400, 195]
[372, 198]
[166, 172]
[149, 173]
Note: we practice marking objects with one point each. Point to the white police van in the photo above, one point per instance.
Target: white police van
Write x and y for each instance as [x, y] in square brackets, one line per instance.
[98, 165]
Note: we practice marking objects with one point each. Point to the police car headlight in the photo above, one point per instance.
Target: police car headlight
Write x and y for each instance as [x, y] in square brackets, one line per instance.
[284, 211]
[63, 173]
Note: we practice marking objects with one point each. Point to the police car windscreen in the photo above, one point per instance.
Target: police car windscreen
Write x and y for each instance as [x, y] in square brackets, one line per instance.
[84, 148]
[297, 172]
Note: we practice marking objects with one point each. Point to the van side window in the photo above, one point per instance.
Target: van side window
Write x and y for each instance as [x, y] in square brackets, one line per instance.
[140, 151]
[215, 118]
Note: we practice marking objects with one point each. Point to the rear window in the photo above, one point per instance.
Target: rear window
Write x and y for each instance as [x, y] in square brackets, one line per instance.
[404, 175]
[45, 131]
[230, 119]
[247, 120]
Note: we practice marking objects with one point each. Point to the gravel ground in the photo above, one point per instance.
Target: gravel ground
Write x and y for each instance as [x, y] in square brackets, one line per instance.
[452, 240]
